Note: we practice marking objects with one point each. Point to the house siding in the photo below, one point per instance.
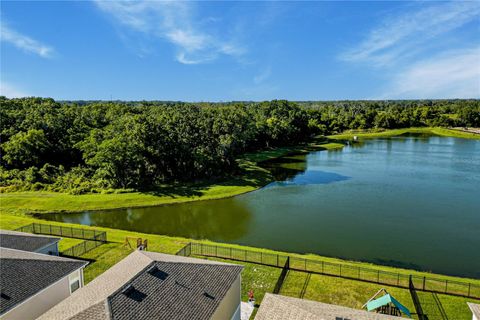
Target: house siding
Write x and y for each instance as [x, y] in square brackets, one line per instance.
[43, 301]
[229, 307]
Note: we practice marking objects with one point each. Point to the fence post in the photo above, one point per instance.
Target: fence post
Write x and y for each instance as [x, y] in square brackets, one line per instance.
[245, 252]
[230, 252]
[83, 233]
[216, 251]
[84, 246]
[323, 266]
[277, 260]
[305, 265]
[468, 295]
[261, 257]
[398, 279]
[424, 283]
[446, 285]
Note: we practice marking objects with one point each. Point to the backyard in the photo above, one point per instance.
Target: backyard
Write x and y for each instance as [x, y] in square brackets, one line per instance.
[262, 279]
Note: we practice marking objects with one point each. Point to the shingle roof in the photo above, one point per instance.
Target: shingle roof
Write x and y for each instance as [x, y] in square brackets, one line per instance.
[103, 299]
[174, 290]
[277, 307]
[25, 241]
[23, 274]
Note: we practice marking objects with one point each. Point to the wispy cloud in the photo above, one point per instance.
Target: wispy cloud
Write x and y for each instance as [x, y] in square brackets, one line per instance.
[454, 74]
[398, 35]
[262, 76]
[24, 42]
[11, 91]
[175, 22]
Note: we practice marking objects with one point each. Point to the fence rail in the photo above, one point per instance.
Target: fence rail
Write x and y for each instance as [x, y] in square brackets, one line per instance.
[430, 284]
[63, 231]
[81, 248]
[93, 238]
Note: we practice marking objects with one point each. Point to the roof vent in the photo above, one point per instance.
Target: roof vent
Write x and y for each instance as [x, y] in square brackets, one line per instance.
[4, 296]
[208, 295]
[133, 293]
[154, 271]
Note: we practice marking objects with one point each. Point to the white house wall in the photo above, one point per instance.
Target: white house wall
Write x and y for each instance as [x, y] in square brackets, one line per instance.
[229, 307]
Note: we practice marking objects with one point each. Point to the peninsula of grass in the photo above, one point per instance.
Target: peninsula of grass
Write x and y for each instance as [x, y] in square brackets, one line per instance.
[367, 134]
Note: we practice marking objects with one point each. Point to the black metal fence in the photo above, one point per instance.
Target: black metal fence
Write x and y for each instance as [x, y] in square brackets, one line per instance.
[93, 238]
[63, 231]
[281, 278]
[416, 300]
[81, 248]
[430, 284]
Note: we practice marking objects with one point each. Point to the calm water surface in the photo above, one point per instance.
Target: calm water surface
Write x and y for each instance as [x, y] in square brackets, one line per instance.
[411, 201]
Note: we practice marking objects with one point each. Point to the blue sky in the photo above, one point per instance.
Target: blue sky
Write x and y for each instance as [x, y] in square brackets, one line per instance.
[222, 51]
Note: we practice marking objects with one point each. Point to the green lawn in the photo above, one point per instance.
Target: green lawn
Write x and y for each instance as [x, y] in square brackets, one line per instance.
[66, 243]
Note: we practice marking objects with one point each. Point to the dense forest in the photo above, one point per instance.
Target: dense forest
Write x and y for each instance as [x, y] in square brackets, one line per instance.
[81, 147]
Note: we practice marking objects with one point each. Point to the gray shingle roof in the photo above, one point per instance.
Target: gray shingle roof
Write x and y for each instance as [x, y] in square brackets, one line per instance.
[25, 241]
[277, 307]
[23, 274]
[171, 291]
[94, 301]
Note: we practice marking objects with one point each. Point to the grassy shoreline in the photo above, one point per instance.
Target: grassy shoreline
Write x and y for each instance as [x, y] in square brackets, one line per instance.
[367, 134]
[253, 178]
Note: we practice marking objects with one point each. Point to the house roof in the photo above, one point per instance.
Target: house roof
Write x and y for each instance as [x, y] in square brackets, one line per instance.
[475, 308]
[23, 274]
[277, 307]
[384, 300]
[148, 285]
[25, 241]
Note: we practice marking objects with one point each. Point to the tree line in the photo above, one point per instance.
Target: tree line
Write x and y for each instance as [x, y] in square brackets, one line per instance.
[94, 146]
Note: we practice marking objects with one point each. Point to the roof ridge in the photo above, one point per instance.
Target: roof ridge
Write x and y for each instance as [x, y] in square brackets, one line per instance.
[16, 254]
[27, 234]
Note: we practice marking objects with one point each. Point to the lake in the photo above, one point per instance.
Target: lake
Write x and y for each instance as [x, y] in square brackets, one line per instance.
[410, 201]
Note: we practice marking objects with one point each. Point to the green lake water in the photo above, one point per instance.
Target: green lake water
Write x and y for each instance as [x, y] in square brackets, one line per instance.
[410, 201]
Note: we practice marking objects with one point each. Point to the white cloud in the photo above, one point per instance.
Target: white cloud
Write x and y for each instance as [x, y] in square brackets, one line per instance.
[455, 74]
[11, 91]
[399, 35]
[173, 21]
[24, 42]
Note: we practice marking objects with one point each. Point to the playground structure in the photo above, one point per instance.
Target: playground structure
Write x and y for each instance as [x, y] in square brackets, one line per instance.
[141, 244]
[386, 304]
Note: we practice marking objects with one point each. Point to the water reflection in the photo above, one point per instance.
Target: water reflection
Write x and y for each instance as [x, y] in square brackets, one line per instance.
[226, 221]
[311, 177]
